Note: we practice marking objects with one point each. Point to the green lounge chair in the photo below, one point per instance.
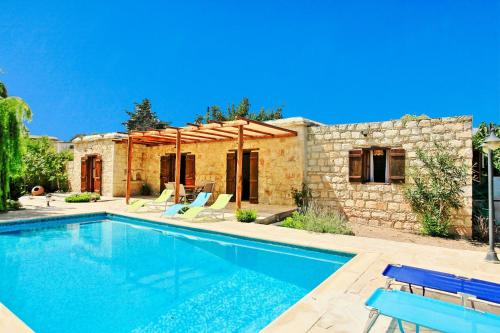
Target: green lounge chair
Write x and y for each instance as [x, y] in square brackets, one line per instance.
[219, 205]
[161, 200]
[136, 205]
[428, 312]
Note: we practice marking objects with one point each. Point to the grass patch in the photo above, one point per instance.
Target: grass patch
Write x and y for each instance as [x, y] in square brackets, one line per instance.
[82, 197]
[246, 215]
[319, 221]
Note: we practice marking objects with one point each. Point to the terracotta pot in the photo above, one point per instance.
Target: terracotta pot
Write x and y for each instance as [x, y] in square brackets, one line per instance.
[37, 190]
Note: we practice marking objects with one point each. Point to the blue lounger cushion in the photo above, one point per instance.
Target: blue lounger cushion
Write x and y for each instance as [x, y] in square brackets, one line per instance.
[172, 210]
[484, 290]
[432, 313]
[200, 201]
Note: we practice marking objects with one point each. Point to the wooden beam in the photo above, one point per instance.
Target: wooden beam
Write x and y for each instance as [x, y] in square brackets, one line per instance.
[129, 168]
[257, 131]
[177, 165]
[268, 125]
[239, 167]
[228, 132]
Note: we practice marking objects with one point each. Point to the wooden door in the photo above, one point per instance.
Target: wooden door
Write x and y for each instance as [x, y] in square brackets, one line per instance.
[83, 174]
[231, 175]
[97, 172]
[254, 177]
[190, 170]
[167, 170]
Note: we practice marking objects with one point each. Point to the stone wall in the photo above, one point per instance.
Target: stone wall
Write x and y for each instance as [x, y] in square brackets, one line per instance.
[103, 147]
[383, 204]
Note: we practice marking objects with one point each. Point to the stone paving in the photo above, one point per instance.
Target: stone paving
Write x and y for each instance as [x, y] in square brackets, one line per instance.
[337, 304]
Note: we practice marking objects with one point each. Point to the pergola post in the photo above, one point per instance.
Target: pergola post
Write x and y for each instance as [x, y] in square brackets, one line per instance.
[129, 168]
[177, 165]
[239, 167]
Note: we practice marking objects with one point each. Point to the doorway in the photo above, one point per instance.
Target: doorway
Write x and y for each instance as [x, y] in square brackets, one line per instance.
[250, 176]
[91, 170]
[167, 170]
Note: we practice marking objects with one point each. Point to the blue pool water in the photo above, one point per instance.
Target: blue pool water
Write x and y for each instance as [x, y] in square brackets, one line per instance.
[106, 273]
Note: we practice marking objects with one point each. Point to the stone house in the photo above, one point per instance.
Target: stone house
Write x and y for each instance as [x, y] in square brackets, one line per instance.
[358, 169]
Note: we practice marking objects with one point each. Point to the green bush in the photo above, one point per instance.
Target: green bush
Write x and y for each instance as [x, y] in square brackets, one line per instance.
[302, 197]
[246, 215]
[83, 197]
[145, 189]
[45, 166]
[319, 221]
[435, 189]
[13, 205]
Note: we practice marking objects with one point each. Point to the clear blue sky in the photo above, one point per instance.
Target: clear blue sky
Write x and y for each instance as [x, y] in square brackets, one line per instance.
[80, 64]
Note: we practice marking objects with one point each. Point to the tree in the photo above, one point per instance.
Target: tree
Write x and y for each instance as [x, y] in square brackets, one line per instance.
[13, 112]
[478, 140]
[142, 118]
[436, 189]
[45, 166]
[214, 113]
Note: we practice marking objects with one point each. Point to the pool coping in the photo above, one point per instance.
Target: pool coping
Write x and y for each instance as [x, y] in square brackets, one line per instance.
[312, 299]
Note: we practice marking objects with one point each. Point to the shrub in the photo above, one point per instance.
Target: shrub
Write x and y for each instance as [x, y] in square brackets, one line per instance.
[435, 189]
[302, 197]
[246, 215]
[45, 166]
[82, 197]
[13, 205]
[145, 189]
[318, 220]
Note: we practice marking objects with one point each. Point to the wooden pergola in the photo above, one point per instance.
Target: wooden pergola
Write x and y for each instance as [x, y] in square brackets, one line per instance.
[215, 131]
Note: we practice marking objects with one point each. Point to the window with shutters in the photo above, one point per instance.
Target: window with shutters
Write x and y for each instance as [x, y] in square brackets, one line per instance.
[377, 165]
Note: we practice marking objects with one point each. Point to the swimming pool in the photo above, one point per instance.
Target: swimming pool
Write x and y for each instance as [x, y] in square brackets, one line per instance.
[109, 273]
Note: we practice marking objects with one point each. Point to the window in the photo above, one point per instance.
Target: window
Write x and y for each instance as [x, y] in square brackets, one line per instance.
[377, 165]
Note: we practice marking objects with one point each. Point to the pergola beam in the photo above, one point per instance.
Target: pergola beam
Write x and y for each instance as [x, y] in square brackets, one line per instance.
[177, 165]
[268, 125]
[239, 167]
[129, 168]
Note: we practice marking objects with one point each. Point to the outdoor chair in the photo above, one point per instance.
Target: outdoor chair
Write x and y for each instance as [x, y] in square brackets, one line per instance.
[161, 200]
[182, 190]
[219, 205]
[136, 205]
[465, 287]
[428, 312]
[200, 201]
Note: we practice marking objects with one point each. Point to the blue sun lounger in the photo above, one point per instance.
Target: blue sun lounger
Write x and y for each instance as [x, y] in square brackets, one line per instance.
[200, 201]
[465, 287]
[428, 312]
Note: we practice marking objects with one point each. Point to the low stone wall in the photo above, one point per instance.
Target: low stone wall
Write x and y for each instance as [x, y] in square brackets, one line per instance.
[327, 170]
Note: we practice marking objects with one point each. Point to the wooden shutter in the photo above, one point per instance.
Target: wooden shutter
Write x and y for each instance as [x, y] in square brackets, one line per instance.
[254, 177]
[231, 175]
[167, 170]
[190, 170]
[397, 165]
[97, 174]
[83, 174]
[356, 165]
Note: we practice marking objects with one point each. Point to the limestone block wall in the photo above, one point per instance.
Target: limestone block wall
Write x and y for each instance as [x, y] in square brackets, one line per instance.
[383, 204]
[281, 165]
[103, 147]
